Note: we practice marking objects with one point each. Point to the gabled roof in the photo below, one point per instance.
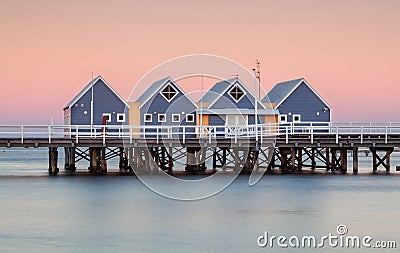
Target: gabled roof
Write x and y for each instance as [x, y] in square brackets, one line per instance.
[87, 88]
[217, 90]
[220, 88]
[158, 86]
[283, 90]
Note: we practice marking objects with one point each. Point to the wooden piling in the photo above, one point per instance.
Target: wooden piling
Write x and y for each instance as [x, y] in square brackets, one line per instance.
[387, 165]
[300, 158]
[374, 160]
[93, 164]
[327, 160]
[103, 161]
[343, 160]
[170, 159]
[313, 163]
[53, 158]
[355, 160]
[214, 159]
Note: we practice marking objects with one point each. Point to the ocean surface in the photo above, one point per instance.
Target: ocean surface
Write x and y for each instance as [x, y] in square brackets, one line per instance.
[41, 213]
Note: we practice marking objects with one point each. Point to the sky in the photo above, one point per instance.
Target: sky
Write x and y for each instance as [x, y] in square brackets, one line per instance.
[349, 51]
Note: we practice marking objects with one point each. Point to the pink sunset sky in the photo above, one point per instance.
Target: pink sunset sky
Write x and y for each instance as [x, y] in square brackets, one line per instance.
[349, 51]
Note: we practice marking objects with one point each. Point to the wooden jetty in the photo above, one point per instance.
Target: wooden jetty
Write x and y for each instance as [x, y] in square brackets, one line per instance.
[288, 147]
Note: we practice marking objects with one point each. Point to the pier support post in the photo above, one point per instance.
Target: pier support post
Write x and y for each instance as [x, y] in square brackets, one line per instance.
[130, 159]
[293, 159]
[103, 161]
[170, 160]
[193, 161]
[355, 160]
[69, 162]
[235, 154]
[313, 163]
[343, 159]
[219, 160]
[97, 161]
[387, 165]
[53, 158]
[300, 158]
[327, 159]
[146, 162]
[384, 161]
[224, 156]
[93, 159]
[214, 159]
[271, 163]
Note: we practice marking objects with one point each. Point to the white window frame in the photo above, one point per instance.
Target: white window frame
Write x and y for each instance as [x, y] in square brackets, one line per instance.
[294, 116]
[109, 116]
[244, 92]
[189, 114]
[165, 118]
[280, 118]
[123, 117]
[178, 115]
[169, 84]
[146, 115]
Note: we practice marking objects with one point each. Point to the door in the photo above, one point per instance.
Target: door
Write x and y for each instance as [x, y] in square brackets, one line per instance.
[236, 124]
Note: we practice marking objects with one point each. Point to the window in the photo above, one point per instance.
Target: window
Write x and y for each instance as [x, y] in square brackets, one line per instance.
[107, 117]
[148, 118]
[296, 118]
[169, 92]
[236, 93]
[121, 117]
[189, 118]
[176, 118]
[283, 118]
[162, 118]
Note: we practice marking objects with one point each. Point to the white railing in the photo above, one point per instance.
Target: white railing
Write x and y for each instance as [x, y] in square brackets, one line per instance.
[129, 133]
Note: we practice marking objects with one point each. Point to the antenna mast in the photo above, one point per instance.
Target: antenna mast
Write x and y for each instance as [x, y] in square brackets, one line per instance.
[258, 77]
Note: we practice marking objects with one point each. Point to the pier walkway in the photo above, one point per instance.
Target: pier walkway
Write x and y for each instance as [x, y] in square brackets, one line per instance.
[287, 146]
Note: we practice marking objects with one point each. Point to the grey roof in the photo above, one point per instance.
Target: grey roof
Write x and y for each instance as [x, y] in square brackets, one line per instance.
[281, 91]
[217, 90]
[267, 111]
[152, 89]
[87, 88]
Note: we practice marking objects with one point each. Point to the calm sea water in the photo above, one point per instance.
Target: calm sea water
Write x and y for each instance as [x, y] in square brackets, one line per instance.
[119, 214]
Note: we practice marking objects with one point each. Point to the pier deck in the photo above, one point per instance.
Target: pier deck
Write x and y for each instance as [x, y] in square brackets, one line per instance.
[285, 146]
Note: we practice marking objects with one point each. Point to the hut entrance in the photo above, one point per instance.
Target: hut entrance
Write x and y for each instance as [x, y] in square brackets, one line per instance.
[235, 125]
[236, 120]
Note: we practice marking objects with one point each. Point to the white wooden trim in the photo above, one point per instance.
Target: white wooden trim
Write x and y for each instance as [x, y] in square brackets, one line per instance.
[165, 86]
[109, 116]
[243, 86]
[189, 114]
[145, 116]
[176, 114]
[282, 121]
[176, 85]
[94, 83]
[243, 90]
[296, 115]
[162, 115]
[123, 116]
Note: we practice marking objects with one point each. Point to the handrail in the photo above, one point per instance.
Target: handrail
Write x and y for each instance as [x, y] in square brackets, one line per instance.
[158, 132]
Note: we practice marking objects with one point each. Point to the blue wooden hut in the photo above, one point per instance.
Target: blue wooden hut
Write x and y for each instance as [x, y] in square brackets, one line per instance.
[164, 103]
[231, 103]
[298, 102]
[107, 104]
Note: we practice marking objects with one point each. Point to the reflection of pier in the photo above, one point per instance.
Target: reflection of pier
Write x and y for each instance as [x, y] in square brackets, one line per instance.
[287, 147]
